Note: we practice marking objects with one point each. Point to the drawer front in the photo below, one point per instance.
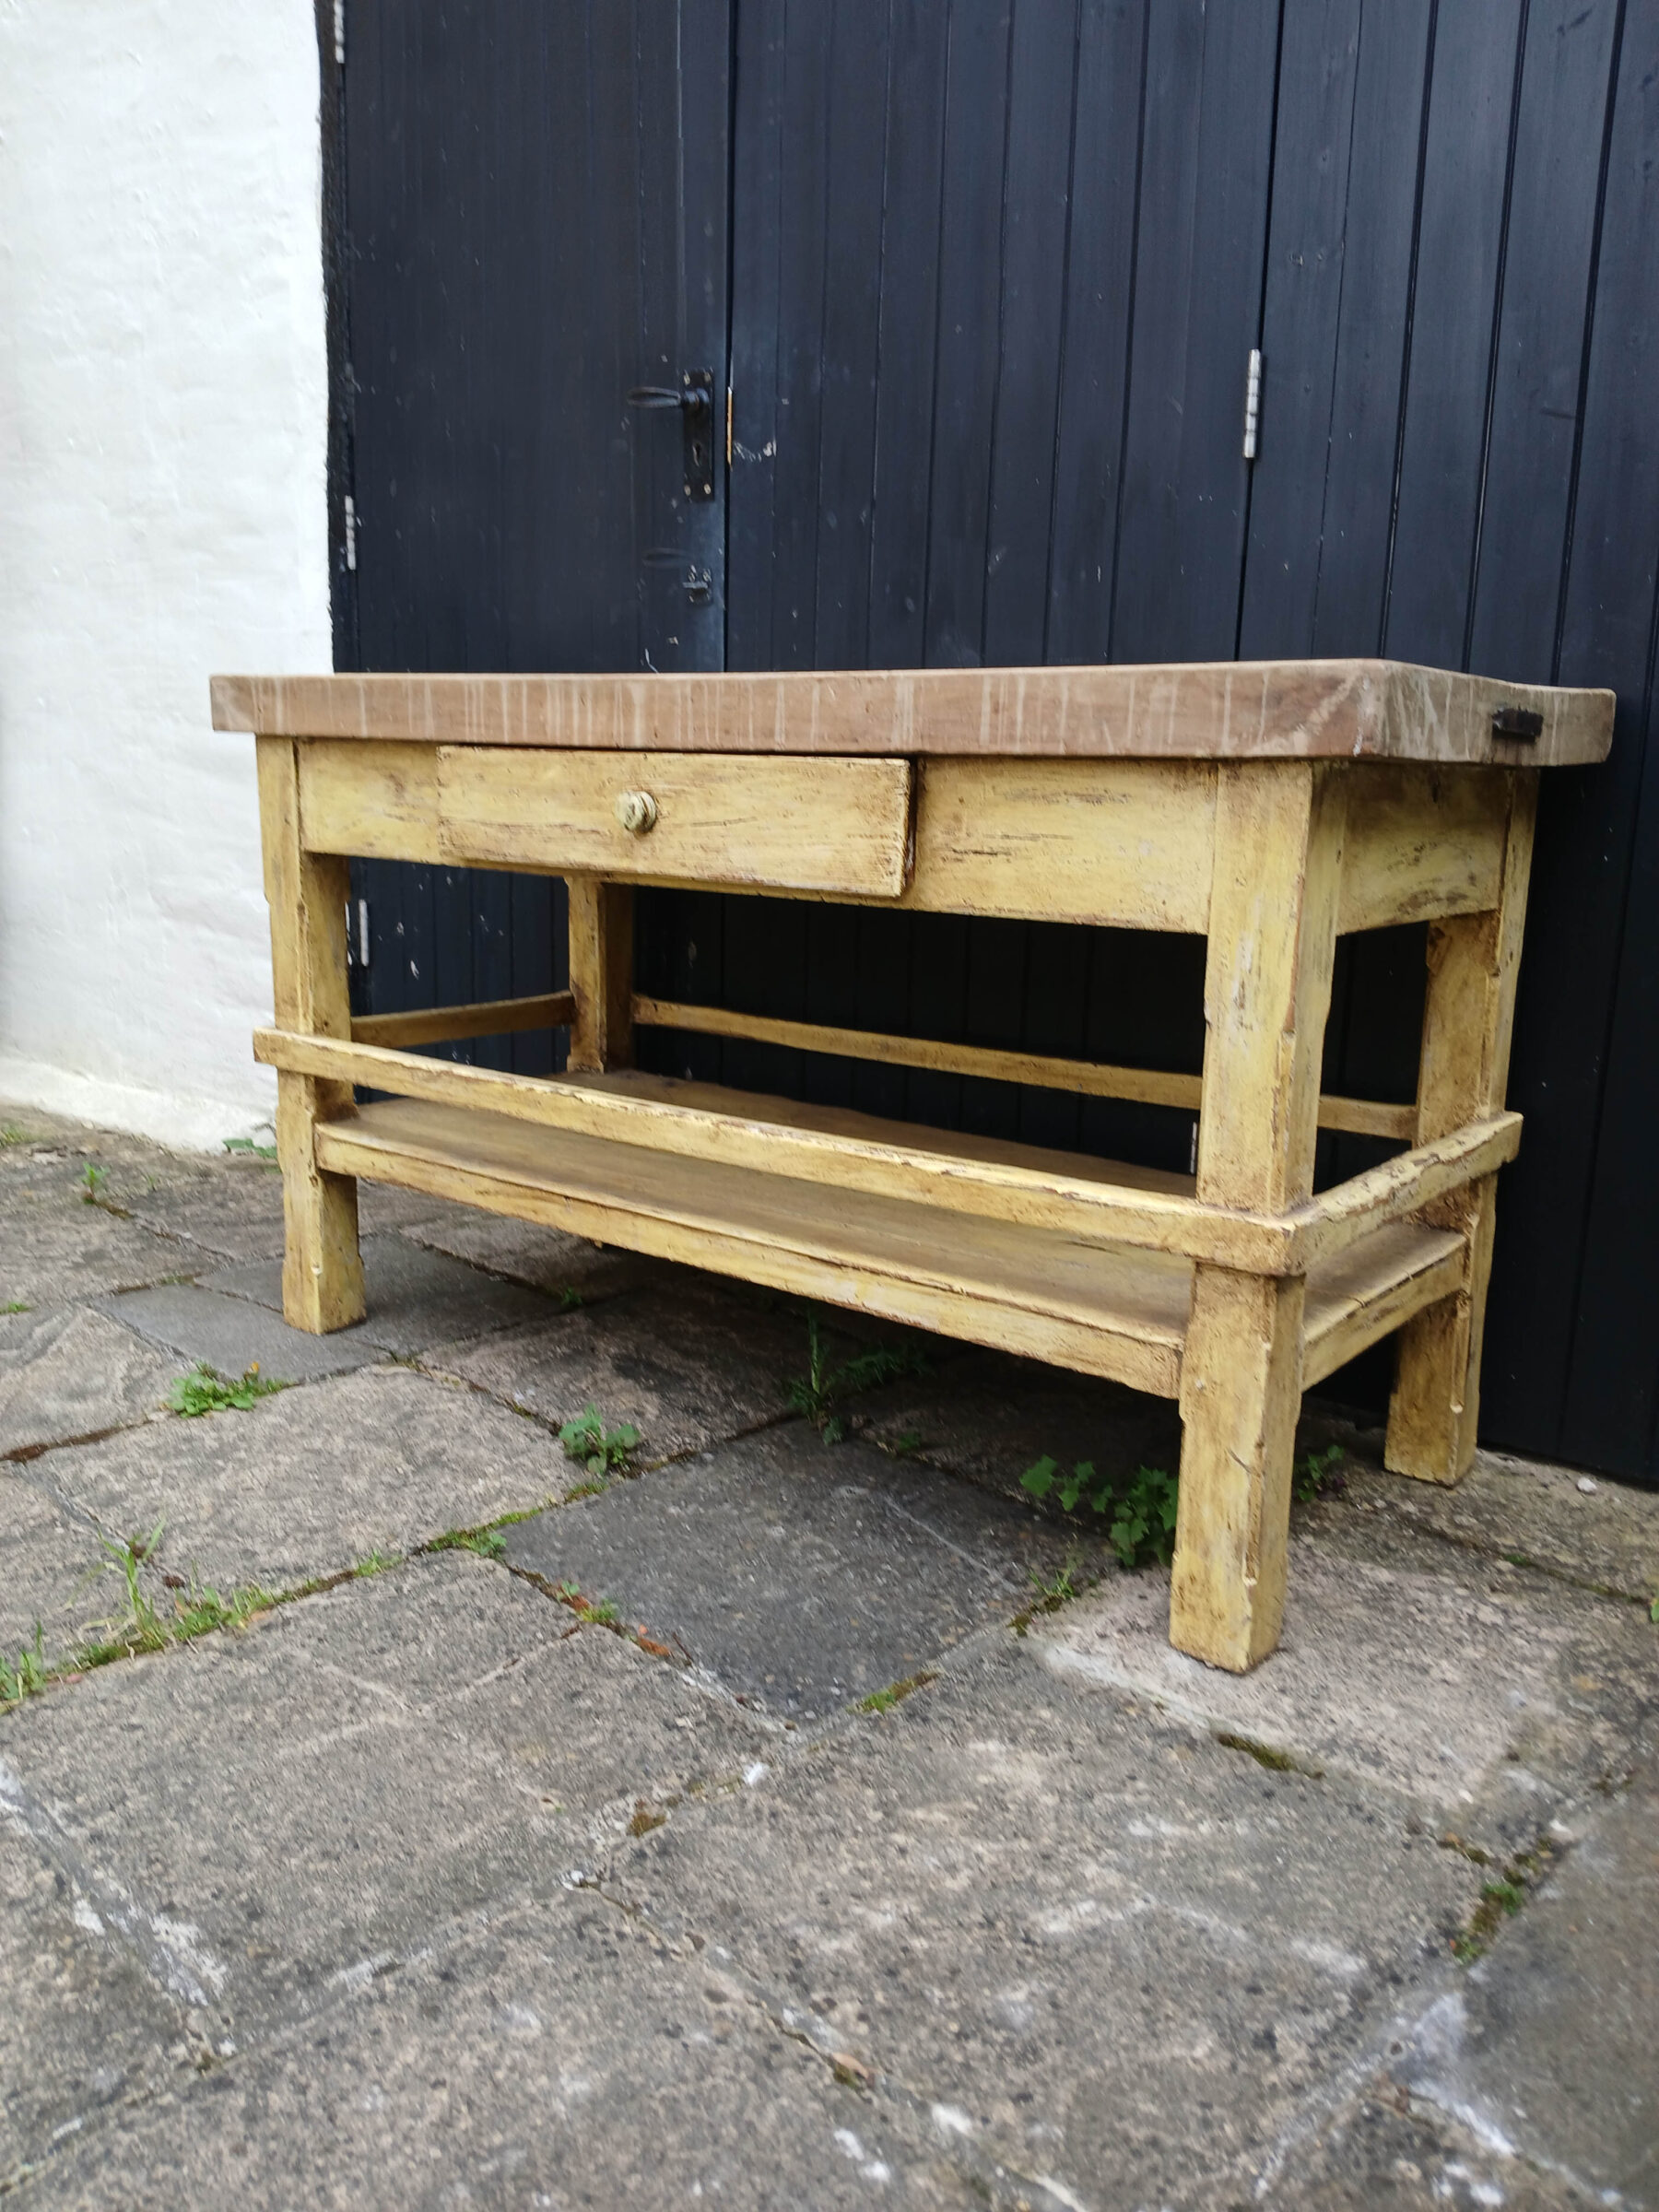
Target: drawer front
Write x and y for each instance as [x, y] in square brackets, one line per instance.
[800, 825]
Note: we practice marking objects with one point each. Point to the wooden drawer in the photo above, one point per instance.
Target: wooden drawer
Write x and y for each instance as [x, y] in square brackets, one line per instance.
[805, 824]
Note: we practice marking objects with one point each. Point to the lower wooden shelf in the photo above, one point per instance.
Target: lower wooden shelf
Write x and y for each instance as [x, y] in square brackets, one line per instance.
[1101, 1308]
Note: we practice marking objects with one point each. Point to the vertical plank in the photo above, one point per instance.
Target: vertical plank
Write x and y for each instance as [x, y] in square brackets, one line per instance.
[601, 965]
[1460, 249]
[1036, 227]
[1272, 940]
[1390, 120]
[1548, 259]
[965, 368]
[1468, 1022]
[322, 1269]
[1199, 249]
[1319, 71]
[1100, 292]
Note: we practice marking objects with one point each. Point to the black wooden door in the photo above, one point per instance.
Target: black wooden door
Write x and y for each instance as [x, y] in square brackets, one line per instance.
[535, 204]
[994, 270]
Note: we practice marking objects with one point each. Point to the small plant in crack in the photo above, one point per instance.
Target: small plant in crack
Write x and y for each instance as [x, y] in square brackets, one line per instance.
[1060, 1587]
[93, 1180]
[569, 1300]
[250, 1151]
[140, 1629]
[594, 1447]
[488, 1543]
[26, 1675]
[884, 1700]
[17, 1305]
[601, 1611]
[1142, 1528]
[818, 1395]
[377, 1562]
[11, 1135]
[1316, 1474]
[205, 1389]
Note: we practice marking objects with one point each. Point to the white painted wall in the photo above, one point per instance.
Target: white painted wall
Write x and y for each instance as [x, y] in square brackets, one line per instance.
[163, 415]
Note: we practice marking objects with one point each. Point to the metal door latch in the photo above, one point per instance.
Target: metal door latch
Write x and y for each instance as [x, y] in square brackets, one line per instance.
[695, 403]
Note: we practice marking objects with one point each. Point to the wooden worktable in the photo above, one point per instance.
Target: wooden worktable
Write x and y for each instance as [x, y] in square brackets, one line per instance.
[1269, 806]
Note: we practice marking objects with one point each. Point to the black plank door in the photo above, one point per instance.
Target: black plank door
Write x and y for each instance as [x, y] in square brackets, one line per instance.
[984, 277]
[534, 210]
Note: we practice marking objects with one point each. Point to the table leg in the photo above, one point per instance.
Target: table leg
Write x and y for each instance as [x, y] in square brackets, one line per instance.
[1267, 990]
[322, 1267]
[601, 973]
[1468, 1016]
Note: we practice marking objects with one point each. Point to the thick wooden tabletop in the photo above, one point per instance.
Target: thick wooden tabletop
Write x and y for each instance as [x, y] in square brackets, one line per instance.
[1201, 709]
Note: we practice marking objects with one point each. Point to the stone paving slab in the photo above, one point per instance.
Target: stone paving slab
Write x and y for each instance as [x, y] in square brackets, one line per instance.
[686, 1374]
[416, 1297]
[230, 1335]
[49, 1560]
[72, 1372]
[313, 1480]
[83, 2028]
[1482, 1695]
[280, 1812]
[1115, 1955]
[561, 2057]
[59, 1249]
[800, 1576]
[229, 1209]
[1606, 1536]
[543, 1259]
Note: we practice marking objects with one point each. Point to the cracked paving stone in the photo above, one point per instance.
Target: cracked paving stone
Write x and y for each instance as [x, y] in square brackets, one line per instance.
[559, 2057]
[799, 1575]
[1487, 1697]
[82, 2026]
[73, 1373]
[56, 1250]
[51, 1569]
[415, 1298]
[687, 1366]
[232, 1333]
[274, 1811]
[312, 1480]
[544, 1259]
[1105, 1949]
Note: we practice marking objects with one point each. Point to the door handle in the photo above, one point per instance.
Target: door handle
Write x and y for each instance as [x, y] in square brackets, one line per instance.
[694, 400]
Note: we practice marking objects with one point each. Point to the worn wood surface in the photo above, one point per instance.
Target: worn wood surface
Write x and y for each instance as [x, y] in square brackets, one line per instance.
[808, 825]
[1272, 941]
[1284, 710]
[321, 1270]
[1467, 1027]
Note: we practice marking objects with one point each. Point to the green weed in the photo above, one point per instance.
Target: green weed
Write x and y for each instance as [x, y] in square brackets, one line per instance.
[246, 1146]
[568, 1299]
[1142, 1515]
[905, 1446]
[601, 1611]
[488, 1543]
[17, 1306]
[377, 1562]
[1501, 1899]
[883, 1700]
[200, 1612]
[11, 1135]
[818, 1394]
[593, 1446]
[92, 1184]
[141, 1628]
[24, 1676]
[1314, 1473]
[205, 1389]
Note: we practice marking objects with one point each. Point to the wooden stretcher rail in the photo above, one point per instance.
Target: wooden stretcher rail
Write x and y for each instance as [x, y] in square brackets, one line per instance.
[485, 1017]
[1077, 1205]
[1149, 1087]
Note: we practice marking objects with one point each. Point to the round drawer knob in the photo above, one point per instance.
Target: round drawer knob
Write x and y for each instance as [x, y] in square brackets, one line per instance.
[637, 812]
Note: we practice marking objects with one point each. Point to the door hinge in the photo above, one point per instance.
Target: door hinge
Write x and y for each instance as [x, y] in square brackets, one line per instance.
[1252, 402]
[350, 533]
[357, 933]
[339, 16]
